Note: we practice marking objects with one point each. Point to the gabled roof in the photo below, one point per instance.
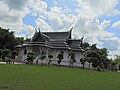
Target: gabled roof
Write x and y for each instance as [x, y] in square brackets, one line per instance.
[57, 35]
[38, 36]
[58, 44]
[74, 44]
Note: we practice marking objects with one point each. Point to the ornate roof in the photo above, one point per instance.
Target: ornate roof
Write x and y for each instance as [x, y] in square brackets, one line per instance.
[74, 44]
[55, 40]
[39, 37]
[57, 35]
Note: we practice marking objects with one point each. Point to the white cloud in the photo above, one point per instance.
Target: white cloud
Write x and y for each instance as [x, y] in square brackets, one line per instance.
[13, 11]
[84, 18]
[96, 7]
[40, 6]
[43, 25]
[104, 24]
[116, 24]
[15, 4]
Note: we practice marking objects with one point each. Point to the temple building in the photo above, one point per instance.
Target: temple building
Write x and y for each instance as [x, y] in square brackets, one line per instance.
[52, 43]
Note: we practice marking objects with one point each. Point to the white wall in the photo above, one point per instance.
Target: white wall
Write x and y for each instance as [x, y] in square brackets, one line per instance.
[65, 61]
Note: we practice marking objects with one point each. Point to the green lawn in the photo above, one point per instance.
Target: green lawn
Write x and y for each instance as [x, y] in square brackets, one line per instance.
[26, 77]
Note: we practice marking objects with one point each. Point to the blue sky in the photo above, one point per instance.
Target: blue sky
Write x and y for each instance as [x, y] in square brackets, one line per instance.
[97, 20]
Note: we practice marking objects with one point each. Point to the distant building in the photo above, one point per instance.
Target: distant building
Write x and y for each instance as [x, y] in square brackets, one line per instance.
[52, 43]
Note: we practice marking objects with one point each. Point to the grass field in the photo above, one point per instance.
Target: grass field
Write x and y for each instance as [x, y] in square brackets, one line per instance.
[26, 77]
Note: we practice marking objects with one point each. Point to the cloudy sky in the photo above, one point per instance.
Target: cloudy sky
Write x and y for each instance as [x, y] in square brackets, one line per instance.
[97, 20]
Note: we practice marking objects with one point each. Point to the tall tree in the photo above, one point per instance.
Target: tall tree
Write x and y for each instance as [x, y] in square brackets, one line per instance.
[7, 39]
[19, 40]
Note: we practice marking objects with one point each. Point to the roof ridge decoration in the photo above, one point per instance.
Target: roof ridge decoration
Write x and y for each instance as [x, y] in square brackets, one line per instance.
[45, 35]
[57, 32]
[34, 34]
[37, 35]
[70, 34]
[81, 42]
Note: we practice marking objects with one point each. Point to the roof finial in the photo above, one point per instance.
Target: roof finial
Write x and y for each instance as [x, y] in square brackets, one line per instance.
[39, 30]
[70, 33]
[35, 30]
[81, 42]
[71, 29]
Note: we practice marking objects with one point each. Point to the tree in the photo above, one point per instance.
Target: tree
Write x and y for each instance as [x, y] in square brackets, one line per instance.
[5, 53]
[106, 64]
[7, 39]
[13, 54]
[117, 59]
[60, 57]
[0, 54]
[95, 63]
[30, 57]
[82, 60]
[72, 58]
[85, 45]
[19, 40]
[96, 56]
[92, 57]
[42, 56]
[113, 67]
[50, 57]
[89, 60]
[8, 58]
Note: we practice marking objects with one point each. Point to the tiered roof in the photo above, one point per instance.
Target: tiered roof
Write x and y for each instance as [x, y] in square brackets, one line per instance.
[55, 40]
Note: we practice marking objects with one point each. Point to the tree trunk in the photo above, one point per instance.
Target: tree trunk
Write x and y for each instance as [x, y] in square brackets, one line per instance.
[89, 65]
[49, 62]
[83, 66]
[37, 61]
[41, 62]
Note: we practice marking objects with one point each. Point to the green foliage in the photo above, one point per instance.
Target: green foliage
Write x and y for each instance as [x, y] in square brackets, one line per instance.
[89, 60]
[31, 53]
[117, 59]
[19, 40]
[83, 60]
[1, 52]
[60, 57]
[43, 53]
[7, 39]
[43, 57]
[95, 62]
[86, 45]
[50, 56]
[6, 52]
[102, 52]
[97, 56]
[73, 57]
[14, 53]
[30, 57]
